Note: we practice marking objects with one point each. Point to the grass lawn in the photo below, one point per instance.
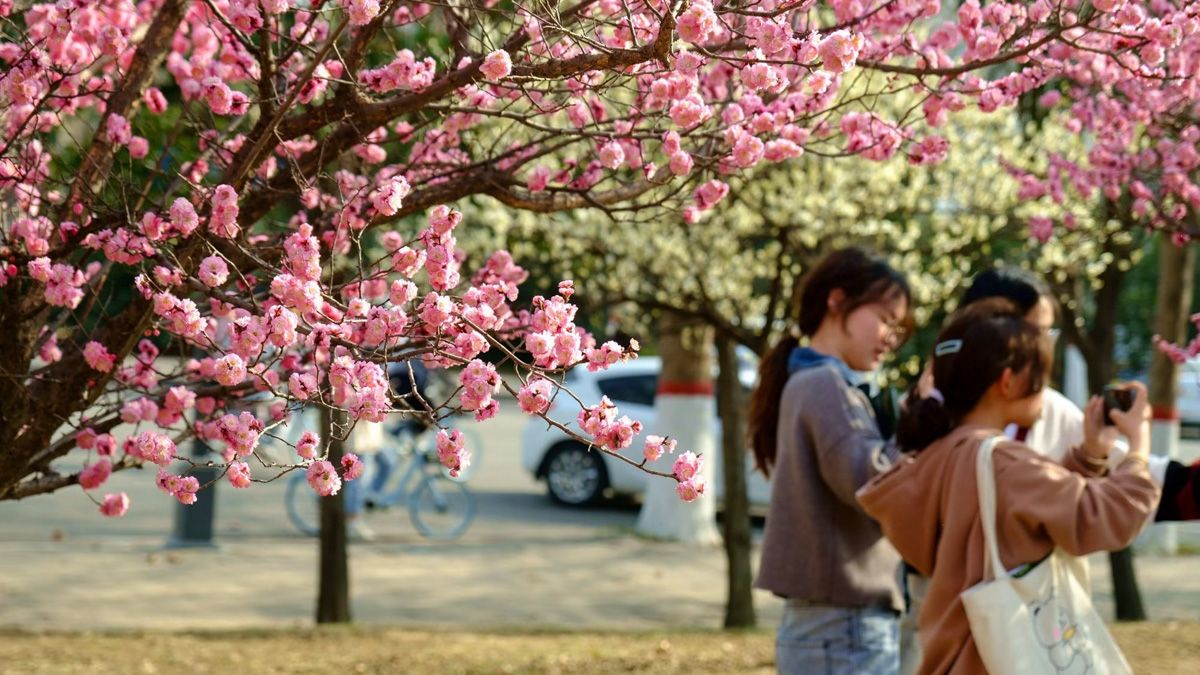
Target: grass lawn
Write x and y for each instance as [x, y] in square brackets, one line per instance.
[1151, 647]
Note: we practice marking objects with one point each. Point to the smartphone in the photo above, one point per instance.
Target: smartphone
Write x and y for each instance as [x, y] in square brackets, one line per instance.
[1116, 397]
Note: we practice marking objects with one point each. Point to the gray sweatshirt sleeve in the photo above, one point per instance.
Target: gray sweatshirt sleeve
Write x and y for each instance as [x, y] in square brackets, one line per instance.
[845, 435]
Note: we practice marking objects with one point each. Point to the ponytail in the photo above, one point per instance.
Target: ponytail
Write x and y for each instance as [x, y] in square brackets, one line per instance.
[763, 424]
[972, 351]
[863, 277]
[924, 421]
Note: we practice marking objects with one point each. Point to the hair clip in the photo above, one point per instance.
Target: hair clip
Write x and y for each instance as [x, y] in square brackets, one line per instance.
[948, 347]
[936, 395]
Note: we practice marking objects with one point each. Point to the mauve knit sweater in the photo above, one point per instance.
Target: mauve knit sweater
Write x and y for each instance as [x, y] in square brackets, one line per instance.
[819, 546]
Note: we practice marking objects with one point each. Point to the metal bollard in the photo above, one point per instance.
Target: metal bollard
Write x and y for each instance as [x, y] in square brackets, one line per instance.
[194, 524]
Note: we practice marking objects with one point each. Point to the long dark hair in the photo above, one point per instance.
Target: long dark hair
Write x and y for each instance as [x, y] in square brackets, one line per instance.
[972, 351]
[863, 277]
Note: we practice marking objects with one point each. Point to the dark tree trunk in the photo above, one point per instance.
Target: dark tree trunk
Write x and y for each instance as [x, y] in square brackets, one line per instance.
[735, 523]
[333, 595]
[1126, 594]
[1176, 269]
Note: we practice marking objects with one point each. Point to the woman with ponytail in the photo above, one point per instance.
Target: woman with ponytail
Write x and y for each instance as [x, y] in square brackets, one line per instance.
[989, 371]
[814, 431]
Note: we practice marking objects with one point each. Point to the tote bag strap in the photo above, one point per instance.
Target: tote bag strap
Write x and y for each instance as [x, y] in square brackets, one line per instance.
[985, 478]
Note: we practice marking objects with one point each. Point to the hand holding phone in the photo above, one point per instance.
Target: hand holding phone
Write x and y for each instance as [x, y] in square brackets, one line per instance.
[1116, 397]
[1130, 413]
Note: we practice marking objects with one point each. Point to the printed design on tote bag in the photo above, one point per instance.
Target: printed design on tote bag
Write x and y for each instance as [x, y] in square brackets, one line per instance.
[1068, 643]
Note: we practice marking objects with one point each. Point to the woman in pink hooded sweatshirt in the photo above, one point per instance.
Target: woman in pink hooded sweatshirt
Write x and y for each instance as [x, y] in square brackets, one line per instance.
[989, 368]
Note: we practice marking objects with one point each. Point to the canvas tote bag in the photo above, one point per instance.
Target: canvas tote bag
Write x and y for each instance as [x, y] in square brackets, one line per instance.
[1038, 621]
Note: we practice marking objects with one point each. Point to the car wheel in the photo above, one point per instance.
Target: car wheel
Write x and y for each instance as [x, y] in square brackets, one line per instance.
[575, 476]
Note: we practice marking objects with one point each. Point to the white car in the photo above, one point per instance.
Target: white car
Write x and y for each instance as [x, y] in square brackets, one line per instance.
[1187, 396]
[576, 476]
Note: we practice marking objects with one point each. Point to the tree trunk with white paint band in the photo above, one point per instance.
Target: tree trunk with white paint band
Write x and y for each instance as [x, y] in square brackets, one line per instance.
[684, 410]
[1176, 271]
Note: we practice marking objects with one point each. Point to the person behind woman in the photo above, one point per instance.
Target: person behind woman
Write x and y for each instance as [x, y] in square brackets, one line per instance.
[815, 430]
[989, 371]
[1061, 425]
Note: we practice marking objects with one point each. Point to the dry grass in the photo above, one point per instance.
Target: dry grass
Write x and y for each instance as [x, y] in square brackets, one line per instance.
[1152, 648]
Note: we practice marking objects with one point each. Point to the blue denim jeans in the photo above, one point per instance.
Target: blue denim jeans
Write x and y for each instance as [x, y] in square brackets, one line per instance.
[829, 640]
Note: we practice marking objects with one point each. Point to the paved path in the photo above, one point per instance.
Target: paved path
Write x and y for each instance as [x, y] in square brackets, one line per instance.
[524, 561]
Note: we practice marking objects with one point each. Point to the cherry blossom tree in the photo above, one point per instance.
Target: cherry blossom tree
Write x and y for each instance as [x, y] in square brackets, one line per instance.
[230, 160]
[1139, 115]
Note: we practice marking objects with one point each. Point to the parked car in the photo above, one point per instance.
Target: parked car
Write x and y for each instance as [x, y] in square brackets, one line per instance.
[1187, 396]
[576, 476]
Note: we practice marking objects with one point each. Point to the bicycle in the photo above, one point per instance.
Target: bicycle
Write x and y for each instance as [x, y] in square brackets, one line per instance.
[440, 507]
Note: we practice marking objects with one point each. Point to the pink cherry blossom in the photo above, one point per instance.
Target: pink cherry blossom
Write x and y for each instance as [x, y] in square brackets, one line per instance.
[618, 434]
[239, 475]
[139, 410]
[105, 445]
[612, 155]
[361, 387]
[839, 50]
[603, 357]
[443, 220]
[183, 217]
[747, 151]
[118, 130]
[218, 95]
[188, 486]
[323, 479]
[352, 466]
[50, 351]
[153, 447]
[98, 357]
[686, 466]
[86, 438]
[452, 452]
[479, 382]
[95, 474]
[496, 66]
[138, 147]
[690, 112]
[179, 399]
[710, 194]
[155, 101]
[115, 504]
[361, 13]
[930, 150]
[230, 370]
[213, 271]
[697, 22]
[1041, 228]
[681, 163]
[390, 196]
[308, 445]
[655, 446]
[691, 490]
[223, 221]
[534, 397]
[592, 420]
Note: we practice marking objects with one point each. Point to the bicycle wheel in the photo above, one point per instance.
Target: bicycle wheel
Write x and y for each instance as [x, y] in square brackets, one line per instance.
[303, 505]
[441, 508]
